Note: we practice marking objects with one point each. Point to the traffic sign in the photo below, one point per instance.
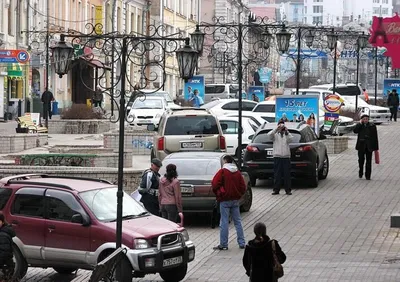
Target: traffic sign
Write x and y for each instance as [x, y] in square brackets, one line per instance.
[14, 56]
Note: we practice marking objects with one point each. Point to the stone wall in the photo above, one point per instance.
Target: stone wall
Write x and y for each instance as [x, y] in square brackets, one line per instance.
[20, 142]
[139, 141]
[131, 177]
[71, 126]
[336, 144]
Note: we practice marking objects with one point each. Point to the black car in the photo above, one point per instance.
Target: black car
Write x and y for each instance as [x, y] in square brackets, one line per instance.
[309, 157]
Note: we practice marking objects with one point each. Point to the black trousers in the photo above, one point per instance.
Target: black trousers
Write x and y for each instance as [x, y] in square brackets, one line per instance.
[47, 110]
[365, 156]
[151, 204]
[7, 268]
[282, 170]
[170, 212]
[393, 113]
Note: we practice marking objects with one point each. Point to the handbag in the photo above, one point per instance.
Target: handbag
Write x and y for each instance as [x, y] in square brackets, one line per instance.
[377, 157]
[278, 268]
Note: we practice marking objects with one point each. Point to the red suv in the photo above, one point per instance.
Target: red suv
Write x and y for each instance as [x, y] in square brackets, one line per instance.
[68, 223]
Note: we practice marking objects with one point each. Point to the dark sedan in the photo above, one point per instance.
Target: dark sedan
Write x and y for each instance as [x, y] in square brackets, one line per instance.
[196, 170]
[309, 157]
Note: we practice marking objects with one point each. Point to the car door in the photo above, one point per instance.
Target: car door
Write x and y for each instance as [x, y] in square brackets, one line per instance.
[313, 138]
[231, 135]
[65, 241]
[27, 219]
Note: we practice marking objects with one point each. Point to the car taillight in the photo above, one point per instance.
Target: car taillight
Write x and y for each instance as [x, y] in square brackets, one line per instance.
[304, 148]
[222, 143]
[160, 144]
[252, 149]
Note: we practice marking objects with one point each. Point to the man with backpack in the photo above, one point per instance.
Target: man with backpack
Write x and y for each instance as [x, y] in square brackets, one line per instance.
[149, 187]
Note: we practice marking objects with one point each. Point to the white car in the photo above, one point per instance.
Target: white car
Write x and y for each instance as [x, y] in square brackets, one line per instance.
[346, 124]
[154, 93]
[147, 111]
[220, 107]
[255, 118]
[265, 107]
[377, 114]
[231, 132]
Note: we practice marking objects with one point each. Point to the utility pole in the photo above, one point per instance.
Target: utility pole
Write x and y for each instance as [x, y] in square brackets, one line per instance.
[46, 105]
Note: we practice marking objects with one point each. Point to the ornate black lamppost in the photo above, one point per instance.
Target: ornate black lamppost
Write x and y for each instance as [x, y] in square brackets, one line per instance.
[125, 48]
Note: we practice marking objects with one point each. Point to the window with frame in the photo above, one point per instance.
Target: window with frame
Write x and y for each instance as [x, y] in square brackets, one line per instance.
[375, 10]
[5, 195]
[61, 205]
[232, 127]
[231, 106]
[385, 11]
[317, 9]
[29, 202]
[247, 106]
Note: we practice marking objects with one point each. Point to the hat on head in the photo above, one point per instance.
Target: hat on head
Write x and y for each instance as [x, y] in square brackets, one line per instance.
[364, 115]
[156, 162]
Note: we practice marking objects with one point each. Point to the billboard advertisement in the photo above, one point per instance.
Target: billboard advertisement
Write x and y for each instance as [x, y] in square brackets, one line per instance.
[292, 108]
[194, 90]
[389, 84]
[332, 105]
[257, 91]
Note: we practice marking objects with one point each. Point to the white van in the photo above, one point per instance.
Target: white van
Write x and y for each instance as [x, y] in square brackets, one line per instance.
[347, 89]
[221, 91]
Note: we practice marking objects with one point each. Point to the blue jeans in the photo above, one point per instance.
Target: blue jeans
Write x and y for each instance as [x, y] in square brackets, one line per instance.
[230, 208]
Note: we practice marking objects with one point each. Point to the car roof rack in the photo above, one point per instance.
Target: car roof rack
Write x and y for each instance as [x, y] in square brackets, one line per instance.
[20, 177]
[39, 183]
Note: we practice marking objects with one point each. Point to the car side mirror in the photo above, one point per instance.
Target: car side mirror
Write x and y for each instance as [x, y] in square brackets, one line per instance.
[224, 126]
[251, 137]
[81, 219]
[151, 127]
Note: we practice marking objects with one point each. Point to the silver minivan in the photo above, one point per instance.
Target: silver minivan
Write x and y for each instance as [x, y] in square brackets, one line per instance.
[221, 91]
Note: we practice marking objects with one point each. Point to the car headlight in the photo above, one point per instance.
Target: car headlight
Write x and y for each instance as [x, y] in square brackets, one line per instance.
[158, 115]
[185, 235]
[141, 244]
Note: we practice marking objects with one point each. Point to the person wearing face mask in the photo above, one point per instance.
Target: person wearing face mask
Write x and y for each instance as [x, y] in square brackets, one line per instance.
[281, 138]
[367, 142]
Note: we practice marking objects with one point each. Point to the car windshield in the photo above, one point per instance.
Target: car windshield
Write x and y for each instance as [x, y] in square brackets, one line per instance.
[262, 137]
[264, 108]
[190, 125]
[193, 167]
[103, 204]
[147, 104]
[161, 94]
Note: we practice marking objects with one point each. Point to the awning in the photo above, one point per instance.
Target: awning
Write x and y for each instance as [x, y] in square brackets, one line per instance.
[14, 71]
[95, 63]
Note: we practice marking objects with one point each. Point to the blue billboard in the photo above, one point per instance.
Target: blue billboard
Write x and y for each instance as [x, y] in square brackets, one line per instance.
[194, 90]
[298, 109]
[256, 93]
[389, 84]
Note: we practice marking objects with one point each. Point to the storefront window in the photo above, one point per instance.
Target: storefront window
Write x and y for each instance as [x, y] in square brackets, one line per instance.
[16, 86]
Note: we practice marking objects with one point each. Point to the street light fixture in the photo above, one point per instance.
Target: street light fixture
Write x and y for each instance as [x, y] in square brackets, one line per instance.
[332, 40]
[283, 39]
[62, 54]
[362, 42]
[267, 37]
[309, 38]
[187, 60]
[197, 38]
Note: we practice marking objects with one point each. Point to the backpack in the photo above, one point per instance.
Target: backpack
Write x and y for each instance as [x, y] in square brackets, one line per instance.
[278, 268]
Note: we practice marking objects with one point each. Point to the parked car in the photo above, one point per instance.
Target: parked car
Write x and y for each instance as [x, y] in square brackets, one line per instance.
[144, 93]
[68, 223]
[265, 107]
[256, 119]
[228, 106]
[345, 124]
[147, 111]
[378, 114]
[249, 127]
[221, 91]
[187, 129]
[196, 170]
[309, 157]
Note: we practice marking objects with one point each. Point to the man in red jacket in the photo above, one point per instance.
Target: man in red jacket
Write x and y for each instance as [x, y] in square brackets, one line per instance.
[228, 185]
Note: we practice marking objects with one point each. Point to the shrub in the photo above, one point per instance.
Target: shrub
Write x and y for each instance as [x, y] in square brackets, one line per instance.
[81, 111]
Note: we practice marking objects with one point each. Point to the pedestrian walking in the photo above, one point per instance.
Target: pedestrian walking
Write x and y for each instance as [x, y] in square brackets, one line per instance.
[393, 103]
[281, 137]
[366, 97]
[229, 186]
[6, 250]
[47, 98]
[149, 187]
[258, 258]
[367, 142]
[97, 97]
[169, 194]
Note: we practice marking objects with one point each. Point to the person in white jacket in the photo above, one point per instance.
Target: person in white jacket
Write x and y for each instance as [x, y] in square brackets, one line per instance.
[281, 137]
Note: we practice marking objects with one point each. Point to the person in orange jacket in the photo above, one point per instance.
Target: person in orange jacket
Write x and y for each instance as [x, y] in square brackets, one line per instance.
[366, 97]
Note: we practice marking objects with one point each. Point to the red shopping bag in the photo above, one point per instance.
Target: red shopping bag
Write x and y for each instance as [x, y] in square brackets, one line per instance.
[377, 158]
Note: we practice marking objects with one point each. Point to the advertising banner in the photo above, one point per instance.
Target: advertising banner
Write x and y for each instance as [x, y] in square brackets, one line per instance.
[389, 84]
[332, 105]
[194, 90]
[265, 74]
[256, 93]
[298, 109]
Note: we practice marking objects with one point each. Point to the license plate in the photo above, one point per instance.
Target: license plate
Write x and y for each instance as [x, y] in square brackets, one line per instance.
[187, 190]
[144, 121]
[192, 145]
[269, 153]
[172, 261]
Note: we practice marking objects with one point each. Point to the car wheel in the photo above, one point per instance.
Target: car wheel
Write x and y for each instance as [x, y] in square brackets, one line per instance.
[175, 274]
[248, 201]
[65, 270]
[125, 274]
[323, 173]
[21, 267]
[242, 151]
[314, 176]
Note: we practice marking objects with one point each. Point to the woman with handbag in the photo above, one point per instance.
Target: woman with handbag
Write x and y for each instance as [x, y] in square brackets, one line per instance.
[263, 257]
[169, 194]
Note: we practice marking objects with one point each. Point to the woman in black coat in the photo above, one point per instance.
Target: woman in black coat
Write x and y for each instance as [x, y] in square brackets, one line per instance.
[258, 257]
[6, 250]
[367, 142]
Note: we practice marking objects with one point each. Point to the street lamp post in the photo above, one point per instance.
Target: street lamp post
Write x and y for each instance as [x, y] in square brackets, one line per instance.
[332, 45]
[376, 73]
[362, 42]
[187, 61]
